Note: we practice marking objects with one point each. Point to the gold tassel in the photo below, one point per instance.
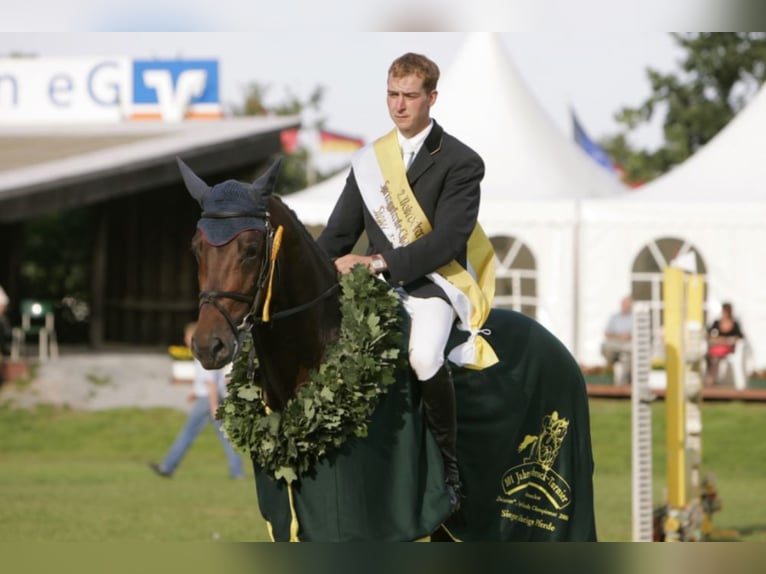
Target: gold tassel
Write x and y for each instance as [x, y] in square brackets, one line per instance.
[293, 516]
[270, 530]
[274, 252]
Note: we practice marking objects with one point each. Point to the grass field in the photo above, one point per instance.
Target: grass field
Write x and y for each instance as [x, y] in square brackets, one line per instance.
[82, 476]
[77, 476]
[732, 452]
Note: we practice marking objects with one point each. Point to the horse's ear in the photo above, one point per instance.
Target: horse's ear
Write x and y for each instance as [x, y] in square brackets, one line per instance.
[264, 185]
[197, 188]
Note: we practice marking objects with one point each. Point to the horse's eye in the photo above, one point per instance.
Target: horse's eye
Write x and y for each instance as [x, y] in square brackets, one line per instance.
[250, 252]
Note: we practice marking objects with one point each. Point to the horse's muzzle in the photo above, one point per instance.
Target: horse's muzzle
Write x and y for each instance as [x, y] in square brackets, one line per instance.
[214, 351]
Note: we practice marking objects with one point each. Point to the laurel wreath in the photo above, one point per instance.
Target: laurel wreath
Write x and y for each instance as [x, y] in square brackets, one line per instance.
[340, 397]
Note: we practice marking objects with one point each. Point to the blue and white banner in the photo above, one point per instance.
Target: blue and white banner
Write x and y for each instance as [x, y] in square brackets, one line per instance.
[104, 90]
[175, 89]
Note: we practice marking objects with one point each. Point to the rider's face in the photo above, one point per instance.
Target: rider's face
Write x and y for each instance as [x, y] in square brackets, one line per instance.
[409, 104]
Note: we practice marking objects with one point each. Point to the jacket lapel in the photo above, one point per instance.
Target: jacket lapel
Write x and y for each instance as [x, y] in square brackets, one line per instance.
[427, 154]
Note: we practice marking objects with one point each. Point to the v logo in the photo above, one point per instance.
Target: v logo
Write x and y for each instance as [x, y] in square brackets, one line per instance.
[173, 100]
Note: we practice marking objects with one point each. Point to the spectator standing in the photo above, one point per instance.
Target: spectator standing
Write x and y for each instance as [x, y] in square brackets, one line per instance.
[208, 389]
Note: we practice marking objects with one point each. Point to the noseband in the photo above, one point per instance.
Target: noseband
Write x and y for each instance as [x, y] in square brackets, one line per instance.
[251, 319]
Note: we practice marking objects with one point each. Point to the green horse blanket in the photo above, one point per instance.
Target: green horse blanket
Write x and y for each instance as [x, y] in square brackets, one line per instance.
[524, 451]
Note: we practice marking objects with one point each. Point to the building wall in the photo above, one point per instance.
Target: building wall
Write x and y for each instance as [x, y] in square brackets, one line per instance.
[151, 283]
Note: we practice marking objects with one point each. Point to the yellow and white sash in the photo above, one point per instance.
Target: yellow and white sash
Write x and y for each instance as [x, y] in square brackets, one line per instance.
[382, 181]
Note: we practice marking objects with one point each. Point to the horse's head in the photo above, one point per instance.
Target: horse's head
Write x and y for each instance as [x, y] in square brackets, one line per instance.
[231, 247]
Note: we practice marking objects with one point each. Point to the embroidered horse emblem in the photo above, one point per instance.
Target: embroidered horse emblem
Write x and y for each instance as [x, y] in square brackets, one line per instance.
[544, 448]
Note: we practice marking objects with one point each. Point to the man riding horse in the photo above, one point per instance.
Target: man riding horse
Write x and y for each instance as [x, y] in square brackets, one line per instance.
[416, 193]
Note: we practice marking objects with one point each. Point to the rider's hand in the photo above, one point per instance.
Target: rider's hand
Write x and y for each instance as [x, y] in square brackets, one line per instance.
[346, 263]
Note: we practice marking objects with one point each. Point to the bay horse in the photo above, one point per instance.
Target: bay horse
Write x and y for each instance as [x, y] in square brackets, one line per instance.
[523, 425]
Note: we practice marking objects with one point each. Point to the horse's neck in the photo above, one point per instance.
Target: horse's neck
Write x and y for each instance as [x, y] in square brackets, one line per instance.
[289, 347]
[303, 273]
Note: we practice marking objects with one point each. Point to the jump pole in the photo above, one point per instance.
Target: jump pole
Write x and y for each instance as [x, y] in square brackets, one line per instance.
[683, 296]
[675, 403]
[641, 423]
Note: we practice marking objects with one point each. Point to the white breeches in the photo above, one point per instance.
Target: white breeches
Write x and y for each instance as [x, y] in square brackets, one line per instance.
[432, 320]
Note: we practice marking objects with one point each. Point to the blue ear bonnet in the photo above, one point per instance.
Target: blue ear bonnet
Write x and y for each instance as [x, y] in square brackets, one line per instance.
[229, 209]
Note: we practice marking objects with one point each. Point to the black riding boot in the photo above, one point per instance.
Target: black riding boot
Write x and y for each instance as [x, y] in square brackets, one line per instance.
[438, 394]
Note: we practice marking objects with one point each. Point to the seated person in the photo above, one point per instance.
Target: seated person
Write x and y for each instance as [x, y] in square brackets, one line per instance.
[617, 341]
[722, 338]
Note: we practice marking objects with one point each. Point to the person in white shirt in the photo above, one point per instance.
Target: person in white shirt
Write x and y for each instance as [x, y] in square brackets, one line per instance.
[617, 344]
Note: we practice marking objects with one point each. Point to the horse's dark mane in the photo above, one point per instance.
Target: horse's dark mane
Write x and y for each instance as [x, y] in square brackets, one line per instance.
[308, 238]
[304, 277]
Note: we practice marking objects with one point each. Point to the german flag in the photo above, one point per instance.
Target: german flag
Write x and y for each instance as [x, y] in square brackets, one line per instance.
[335, 142]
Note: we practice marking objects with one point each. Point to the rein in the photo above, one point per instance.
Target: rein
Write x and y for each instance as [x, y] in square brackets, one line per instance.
[293, 310]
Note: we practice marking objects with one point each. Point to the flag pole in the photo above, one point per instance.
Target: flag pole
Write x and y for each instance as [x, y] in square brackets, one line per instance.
[311, 172]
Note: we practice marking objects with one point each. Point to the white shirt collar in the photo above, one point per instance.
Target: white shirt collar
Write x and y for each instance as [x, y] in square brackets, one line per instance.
[415, 142]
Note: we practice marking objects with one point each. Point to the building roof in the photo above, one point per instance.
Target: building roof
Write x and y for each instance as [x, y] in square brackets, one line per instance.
[49, 168]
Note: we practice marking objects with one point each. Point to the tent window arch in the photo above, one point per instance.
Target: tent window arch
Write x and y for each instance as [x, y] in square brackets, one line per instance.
[647, 277]
[515, 275]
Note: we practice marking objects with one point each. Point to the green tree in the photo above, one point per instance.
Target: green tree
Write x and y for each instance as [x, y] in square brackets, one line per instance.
[296, 168]
[719, 73]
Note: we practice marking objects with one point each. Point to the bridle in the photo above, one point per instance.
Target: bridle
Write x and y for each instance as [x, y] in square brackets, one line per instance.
[251, 318]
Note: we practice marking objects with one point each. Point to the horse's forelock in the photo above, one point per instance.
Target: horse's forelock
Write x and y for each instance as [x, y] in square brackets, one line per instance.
[277, 206]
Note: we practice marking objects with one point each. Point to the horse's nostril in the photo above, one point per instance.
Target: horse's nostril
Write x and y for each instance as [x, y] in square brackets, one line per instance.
[218, 347]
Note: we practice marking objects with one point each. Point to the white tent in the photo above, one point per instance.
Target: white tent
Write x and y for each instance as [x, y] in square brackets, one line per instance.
[484, 101]
[729, 169]
[314, 204]
[535, 176]
[716, 203]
